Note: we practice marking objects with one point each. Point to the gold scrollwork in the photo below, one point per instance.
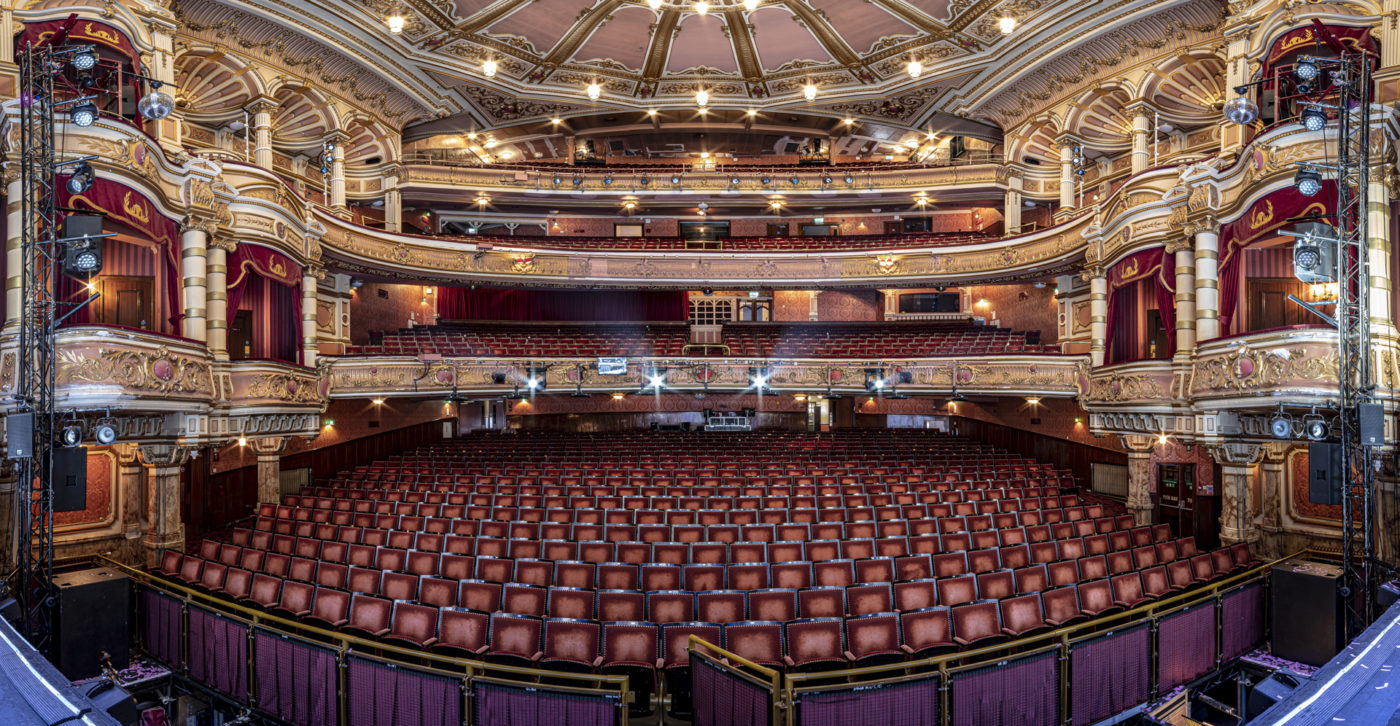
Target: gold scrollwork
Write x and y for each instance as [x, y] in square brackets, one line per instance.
[1245, 369]
[285, 387]
[157, 372]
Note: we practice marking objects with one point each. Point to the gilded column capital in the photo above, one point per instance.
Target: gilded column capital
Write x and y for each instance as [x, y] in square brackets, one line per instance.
[1138, 443]
[223, 242]
[1238, 453]
[268, 445]
[262, 104]
[1180, 244]
[163, 455]
[199, 223]
[13, 172]
[1089, 272]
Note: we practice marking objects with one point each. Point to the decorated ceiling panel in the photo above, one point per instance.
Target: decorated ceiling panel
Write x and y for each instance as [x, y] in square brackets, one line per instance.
[700, 44]
[783, 42]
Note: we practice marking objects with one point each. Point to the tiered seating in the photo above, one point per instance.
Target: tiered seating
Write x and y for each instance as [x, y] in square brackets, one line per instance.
[799, 551]
[817, 340]
[738, 244]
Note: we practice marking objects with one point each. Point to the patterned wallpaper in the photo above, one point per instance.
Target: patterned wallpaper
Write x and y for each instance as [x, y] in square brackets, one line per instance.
[1175, 453]
[369, 311]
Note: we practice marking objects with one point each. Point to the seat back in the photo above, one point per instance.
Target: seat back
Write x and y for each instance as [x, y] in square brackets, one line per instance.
[773, 604]
[926, 628]
[571, 639]
[1022, 613]
[813, 640]
[675, 641]
[462, 628]
[760, 641]
[414, 622]
[371, 614]
[873, 634]
[634, 644]
[515, 635]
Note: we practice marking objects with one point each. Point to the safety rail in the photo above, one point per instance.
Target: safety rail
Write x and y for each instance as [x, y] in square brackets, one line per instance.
[203, 637]
[708, 670]
[1078, 674]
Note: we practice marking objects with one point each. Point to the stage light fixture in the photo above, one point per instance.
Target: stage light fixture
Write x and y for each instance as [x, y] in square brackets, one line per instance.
[826, 180]
[1306, 70]
[766, 180]
[849, 179]
[734, 180]
[1317, 428]
[558, 180]
[157, 104]
[82, 243]
[1007, 25]
[1281, 426]
[594, 91]
[85, 58]
[1308, 181]
[71, 435]
[675, 179]
[1240, 110]
[1313, 118]
[84, 114]
[105, 432]
[875, 380]
[795, 181]
[81, 179]
[809, 92]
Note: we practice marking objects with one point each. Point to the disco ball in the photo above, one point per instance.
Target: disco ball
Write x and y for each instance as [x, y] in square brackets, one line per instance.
[1241, 110]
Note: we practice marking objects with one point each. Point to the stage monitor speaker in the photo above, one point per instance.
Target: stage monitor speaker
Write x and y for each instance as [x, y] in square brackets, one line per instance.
[19, 435]
[120, 705]
[70, 479]
[1371, 420]
[1271, 690]
[90, 618]
[1324, 473]
[1306, 605]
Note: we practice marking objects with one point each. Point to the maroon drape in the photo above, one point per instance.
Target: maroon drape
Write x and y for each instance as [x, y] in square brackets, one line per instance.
[1166, 297]
[84, 31]
[297, 681]
[268, 283]
[1125, 280]
[458, 303]
[129, 209]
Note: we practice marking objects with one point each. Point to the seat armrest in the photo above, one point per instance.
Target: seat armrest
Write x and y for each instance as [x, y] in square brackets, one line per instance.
[597, 661]
[482, 650]
[906, 649]
[430, 642]
[789, 662]
[381, 632]
[660, 663]
[848, 655]
[537, 656]
[961, 641]
[1009, 631]
[339, 623]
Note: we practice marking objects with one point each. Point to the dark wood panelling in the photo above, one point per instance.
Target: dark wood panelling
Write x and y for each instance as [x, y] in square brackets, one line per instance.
[1076, 457]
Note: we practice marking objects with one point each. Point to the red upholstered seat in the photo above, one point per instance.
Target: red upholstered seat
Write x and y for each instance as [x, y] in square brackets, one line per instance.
[873, 639]
[331, 608]
[571, 644]
[414, 625]
[759, 641]
[1022, 615]
[515, 639]
[462, 632]
[814, 642]
[370, 616]
[926, 631]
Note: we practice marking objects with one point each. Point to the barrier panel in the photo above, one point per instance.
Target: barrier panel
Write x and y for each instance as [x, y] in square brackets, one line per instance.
[1185, 645]
[1241, 621]
[907, 702]
[219, 653]
[162, 622]
[388, 694]
[503, 703]
[297, 681]
[730, 690]
[1110, 674]
[1020, 692]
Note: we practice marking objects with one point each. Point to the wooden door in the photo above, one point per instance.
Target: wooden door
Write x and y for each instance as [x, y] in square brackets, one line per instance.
[1269, 306]
[125, 301]
[894, 228]
[1176, 497]
[240, 335]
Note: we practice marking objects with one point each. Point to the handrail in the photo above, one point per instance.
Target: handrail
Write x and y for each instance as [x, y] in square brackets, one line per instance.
[723, 662]
[345, 643]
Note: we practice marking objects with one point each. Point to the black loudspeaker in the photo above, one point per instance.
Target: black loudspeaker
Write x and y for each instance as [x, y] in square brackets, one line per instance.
[19, 434]
[118, 704]
[90, 618]
[1271, 690]
[748, 412]
[498, 378]
[685, 426]
[70, 479]
[708, 413]
[1371, 420]
[655, 426]
[1306, 605]
[1324, 473]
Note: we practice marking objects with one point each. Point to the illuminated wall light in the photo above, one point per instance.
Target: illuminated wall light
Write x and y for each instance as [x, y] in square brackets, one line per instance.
[702, 7]
[850, 122]
[702, 98]
[809, 92]
[329, 423]
[488, 68]
[395, 20]
[750, 5]
[618, 396]
[594, 91]
[654, 4]
[1007, 25]
[378, 402]
[556, 120]
[1162, 439]
[915, 68]
[1033, 401]
[242, 441]
[651, 112]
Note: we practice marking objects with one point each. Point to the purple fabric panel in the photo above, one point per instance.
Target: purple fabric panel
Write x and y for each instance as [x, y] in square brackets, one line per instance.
[161, 628]
[1109, 675]
[722, 699]
[219, 653]
[1241, 621]
[498, 705]
[296, 682]
[384, 696]
[1185, 646]
[908, 703]
[1022, 692]
[285, 324]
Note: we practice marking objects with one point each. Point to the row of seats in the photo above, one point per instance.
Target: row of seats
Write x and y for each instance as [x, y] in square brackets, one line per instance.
[782, 340]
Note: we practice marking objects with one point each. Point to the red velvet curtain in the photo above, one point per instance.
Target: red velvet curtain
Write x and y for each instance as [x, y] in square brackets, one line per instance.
[1126, 296]
[276, 316]
[84, 31]
[458, 303]
[1166, 297]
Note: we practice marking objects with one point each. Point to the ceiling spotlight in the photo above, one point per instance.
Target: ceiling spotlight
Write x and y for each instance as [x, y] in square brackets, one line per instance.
[85, 58]
[558, 180]
[826, 180]
[675, 179]
[766, 180]
[1281, 426]
[849, 179]
[651, 112]
[750, 5]
[81, 179]
[156, 105]
[776, 204]
[1007, 24]
[83, 114]
[105, 433]
[488, 68]
[915, 68]
[1308, 181]
[594, 91]
[1240, 110]
[654, 4]
[629, 205]
[1313, 118]
[1317, 427]
[395, 20]
[809, 92]
[702, 7]
[1306, 70]
[752, 112]
[71, 435]
[702, 97]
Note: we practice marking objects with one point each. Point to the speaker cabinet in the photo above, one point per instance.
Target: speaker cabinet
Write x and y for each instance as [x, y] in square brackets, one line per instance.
[19, 434]
[1324, 473]
[1306, 605]
[1271, 690]
[91, 617]
[70, 479]
[1371, 420]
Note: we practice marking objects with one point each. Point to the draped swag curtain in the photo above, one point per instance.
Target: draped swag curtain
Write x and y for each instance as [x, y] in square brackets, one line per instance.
[268, 284]
[458, 303]
[1133, 289]
[127, 211]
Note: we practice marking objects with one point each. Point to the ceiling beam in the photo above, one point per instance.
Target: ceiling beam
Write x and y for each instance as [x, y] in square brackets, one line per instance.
[660, 49]
[742, 40]
[477, 22]
[824, 32]
[579, 32]
[917, 18]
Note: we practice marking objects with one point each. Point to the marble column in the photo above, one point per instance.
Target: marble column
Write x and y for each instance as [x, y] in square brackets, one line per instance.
[309, 348]
[338, 172]
[812, 308]
[194, 240]
[393, 205]
[1011, 208]
[1140, 484]
[14, 251]
[1185, 299]
[130, 490]
[262, 131]
[1378, 256]
[1098, 315]
[165, 530]
[1207, 281]
[1142, 125]
[1239, 464]
[1273, 497]
[216, 292]
[269, 452]
[1067, 175]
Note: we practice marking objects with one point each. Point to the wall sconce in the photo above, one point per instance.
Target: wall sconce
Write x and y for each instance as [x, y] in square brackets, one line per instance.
[1033, 401]
[1162, 440]
[378, 402]
[330, 422]
[242, 441]
[619, 396]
